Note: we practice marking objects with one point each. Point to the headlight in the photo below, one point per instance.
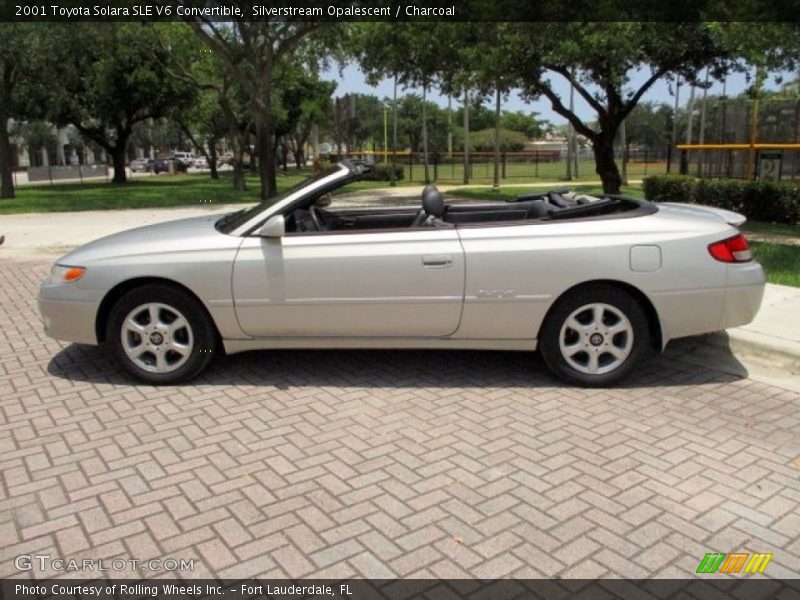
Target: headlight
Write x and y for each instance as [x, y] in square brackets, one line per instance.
[66, 273]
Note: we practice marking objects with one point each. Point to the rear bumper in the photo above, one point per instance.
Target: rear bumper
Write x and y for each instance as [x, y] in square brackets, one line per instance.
[68, 319]
[743, 295]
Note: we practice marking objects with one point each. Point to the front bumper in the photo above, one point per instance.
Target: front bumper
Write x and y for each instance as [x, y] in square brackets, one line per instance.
[68, 314]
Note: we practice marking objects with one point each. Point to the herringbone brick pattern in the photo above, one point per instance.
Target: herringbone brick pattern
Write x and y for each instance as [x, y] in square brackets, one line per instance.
[386, 464]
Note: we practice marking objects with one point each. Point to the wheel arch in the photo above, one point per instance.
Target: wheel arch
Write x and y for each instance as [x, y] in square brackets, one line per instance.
[653, 320]
[122, 288]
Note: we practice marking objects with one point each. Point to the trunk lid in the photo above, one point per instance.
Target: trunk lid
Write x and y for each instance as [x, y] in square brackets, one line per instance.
[702, 211]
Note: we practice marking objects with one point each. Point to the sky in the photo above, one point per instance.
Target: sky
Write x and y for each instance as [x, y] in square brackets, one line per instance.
[352, 80]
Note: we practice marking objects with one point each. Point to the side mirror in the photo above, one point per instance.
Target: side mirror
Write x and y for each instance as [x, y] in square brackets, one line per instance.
[275, 227]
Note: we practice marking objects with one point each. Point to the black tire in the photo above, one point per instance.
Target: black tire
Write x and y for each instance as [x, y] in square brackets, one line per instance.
[618, 339]
[197, 340]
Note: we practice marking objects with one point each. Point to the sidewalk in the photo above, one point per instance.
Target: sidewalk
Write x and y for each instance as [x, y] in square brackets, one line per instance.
[766, 349]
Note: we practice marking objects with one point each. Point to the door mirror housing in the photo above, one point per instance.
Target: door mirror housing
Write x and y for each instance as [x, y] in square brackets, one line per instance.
[275, 227]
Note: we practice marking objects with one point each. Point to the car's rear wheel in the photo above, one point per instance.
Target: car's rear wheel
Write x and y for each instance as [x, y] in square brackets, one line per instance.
[594, 336]
[161, 334]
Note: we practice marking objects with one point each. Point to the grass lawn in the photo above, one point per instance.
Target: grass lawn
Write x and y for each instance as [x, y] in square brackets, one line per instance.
[781, 261]
[140, 192]
[771, 228]
[159, 191]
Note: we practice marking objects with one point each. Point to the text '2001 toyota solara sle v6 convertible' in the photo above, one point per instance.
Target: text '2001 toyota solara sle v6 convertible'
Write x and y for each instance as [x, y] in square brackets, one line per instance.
[593, 283]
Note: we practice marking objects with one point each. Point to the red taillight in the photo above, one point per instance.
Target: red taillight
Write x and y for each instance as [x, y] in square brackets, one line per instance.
[732, 250]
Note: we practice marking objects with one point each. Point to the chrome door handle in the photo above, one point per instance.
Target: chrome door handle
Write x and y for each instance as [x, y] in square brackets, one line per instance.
[437, 260]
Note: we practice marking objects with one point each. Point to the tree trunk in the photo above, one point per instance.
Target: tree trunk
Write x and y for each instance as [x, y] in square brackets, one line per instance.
[300, 157]
[212, 158]
[605, 166]
[239, 181]
[266, 158]
[118, 156]
[6, 173]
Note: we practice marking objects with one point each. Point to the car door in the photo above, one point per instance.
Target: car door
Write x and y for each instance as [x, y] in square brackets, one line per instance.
[398, 283]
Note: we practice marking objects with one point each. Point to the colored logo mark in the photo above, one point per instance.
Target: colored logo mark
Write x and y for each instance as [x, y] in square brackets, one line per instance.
[736, 562]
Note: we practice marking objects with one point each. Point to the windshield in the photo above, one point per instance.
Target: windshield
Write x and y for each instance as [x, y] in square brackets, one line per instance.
[233, 220]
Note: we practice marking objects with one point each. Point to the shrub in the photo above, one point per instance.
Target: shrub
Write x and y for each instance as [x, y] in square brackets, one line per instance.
[510, 141]
[668, 188]
[383, 172]
[767, 201]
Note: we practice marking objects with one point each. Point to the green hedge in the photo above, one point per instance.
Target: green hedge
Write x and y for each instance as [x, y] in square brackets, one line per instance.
[757, 200]
[383, 172]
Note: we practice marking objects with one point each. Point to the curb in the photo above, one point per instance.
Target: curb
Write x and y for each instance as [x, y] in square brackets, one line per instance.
[770, 351]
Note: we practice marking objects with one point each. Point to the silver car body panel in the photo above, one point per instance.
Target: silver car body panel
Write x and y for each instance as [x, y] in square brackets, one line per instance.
[475, 286]
[189, 252]
[400, 283]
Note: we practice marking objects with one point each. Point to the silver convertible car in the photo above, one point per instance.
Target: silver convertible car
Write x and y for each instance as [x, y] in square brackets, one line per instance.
[593, 283]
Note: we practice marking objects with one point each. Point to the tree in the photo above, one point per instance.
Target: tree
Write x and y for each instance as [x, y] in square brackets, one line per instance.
[220, 109]
[415, 54]
[111, 78]
[649, 125]
[306, 102]
[252, 53]
[360, 120]
[526, 123]
[604, 60]
[409, 123]
[599, 61]
[480, 117]
[21, 82]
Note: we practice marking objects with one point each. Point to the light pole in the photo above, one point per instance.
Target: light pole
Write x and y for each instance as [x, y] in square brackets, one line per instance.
[496, 178]
[385, 136]
[392, 176]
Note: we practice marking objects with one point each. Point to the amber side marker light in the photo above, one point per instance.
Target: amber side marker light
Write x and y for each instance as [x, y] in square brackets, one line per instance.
[74, 273]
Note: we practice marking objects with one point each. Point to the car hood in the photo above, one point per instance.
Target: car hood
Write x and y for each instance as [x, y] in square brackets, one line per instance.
[183, 235]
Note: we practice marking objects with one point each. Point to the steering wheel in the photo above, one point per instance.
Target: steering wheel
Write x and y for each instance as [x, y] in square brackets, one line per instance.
[316, 218]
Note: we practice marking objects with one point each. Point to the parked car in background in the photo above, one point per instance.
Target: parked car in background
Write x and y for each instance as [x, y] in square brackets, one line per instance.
[161, 165]
[593, 283]
[185, 157]
[141, 164]
[201, 162]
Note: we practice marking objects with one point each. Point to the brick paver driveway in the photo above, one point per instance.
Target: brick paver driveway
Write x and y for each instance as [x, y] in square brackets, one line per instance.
[385, 464]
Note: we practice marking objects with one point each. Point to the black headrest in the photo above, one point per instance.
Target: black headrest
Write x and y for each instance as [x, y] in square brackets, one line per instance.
[433, 201]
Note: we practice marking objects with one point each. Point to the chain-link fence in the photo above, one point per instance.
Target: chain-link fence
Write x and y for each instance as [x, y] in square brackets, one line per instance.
[513, 167]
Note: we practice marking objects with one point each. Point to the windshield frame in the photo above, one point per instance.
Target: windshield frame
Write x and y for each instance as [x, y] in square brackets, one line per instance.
[245, 223]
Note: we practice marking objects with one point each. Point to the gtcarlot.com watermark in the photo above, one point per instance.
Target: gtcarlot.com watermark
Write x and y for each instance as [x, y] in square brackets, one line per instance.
[45, 562]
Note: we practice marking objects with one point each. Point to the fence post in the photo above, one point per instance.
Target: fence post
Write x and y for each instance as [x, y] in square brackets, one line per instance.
[435, 166]
[684, 168]
[411, 166]
[504, 163]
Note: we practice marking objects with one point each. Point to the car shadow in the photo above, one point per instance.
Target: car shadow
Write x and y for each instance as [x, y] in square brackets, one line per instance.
[286, 369]
[708, 350]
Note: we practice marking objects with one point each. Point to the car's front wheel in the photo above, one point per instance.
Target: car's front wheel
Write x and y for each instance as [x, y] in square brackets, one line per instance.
[161, 334]
[594, 336]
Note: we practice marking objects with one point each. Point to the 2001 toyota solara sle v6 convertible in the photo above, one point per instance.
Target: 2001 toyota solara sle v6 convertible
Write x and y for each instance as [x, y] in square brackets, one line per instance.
[593, 283]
